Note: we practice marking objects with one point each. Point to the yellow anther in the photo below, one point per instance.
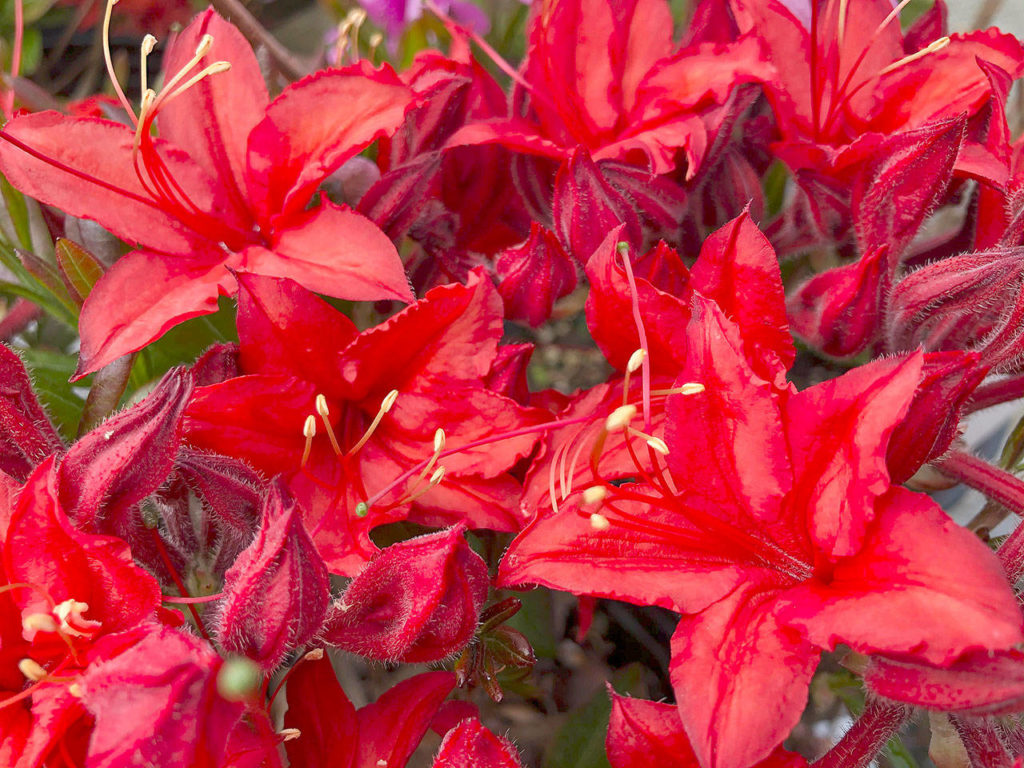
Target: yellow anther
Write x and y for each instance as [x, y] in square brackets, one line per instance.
[32, 670]
[205, 44]
[691, 388]
[289, 734]
[75, 689]
[439, 441]
[321, 406]
[315, 655]
[635, 361]
[595, 494]
[659, 445]
[599, 522]
[437, 477]
[148, 44]
[935, 45]
[385, 405]
[309, 432]
[39, 622]
[620, 418]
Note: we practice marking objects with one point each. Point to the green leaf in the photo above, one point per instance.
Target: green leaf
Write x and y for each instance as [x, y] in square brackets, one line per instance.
[183, 344]
[579, 743]
[17, 210]
[79, 269]
[50, 373]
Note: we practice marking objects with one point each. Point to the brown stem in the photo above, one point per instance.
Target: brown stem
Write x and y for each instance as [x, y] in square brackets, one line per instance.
[20, 314]
[860, 745]
[257, 34]
[108, 384]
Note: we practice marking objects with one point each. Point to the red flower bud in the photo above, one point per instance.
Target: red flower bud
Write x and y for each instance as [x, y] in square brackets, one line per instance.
[971, 301]
[416, 601]
[932, 421]
[587, 207]
[26, 435]
[979, 682]
[534, 276]
[839, 310]
[125, 458]
[470, 745]
[277, 592]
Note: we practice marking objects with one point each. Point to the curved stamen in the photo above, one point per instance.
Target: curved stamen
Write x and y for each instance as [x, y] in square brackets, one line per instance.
[108, 60]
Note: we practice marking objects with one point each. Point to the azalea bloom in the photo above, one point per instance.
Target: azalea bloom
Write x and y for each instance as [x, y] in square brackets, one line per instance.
[771, 525]
[332, 732]
[605, 76]
[847, 71]
[345, 416]
[69, 600]
[225, 186]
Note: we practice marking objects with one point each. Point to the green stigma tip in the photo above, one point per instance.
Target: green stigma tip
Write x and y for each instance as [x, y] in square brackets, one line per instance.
[362, 510]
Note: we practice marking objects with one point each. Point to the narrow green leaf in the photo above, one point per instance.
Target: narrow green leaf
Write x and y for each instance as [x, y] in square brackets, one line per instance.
[17, 210]
[78, 268]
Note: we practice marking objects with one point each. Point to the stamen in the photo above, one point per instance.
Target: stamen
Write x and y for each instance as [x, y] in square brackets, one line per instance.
[39, 622]
[690, 388]
[599, 522]
[32, 670]
[386, 405]
[636, 360]
[620, 418]
[110, 63]
[321, 408]
[315, 655]
[893, 14]
[641, 332]
[655, 443]
[595, 494]
[932, 47]
[375, 40]
[148, 44]
[214, 69]
[75, 689]
[843, 10]
[289, 734]
[309, 432]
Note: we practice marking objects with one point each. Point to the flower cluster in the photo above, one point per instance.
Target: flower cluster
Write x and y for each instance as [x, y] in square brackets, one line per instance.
[304, 426]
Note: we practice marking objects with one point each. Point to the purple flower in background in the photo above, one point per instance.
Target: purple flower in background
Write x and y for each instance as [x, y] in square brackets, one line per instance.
[396, 15]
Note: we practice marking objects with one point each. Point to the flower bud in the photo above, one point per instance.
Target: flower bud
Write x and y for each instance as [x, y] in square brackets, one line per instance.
[125, 458]
[416, 601]
[278, 591]
[933, 419]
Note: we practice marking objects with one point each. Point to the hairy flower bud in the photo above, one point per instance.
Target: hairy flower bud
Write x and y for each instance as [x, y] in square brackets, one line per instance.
[416, 601]
[125, 458]
[277, 592]
[947, 381]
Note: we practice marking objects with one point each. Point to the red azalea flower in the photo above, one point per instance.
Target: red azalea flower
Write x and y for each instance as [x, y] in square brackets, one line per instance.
[227, 184]
[848, 71]
[772, 525]
[604, 75]
[70, 600]
[333, 734]
[643, 733]
[343, 414]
